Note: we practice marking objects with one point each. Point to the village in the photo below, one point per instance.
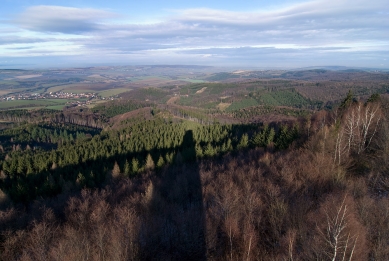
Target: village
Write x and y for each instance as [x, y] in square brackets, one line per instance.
[50, 95]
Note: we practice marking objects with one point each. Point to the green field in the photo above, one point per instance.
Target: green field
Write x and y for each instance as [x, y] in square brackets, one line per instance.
[29, 108]
[55, 103]
[56, 107]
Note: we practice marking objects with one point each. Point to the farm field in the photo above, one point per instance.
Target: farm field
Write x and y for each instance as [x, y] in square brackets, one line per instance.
[5, 92]
[57, 103]
[58, 88]
[80, 87]
[55, 107]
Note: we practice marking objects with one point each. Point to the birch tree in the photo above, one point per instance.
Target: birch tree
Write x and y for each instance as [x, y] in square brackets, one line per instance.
[357, 129]
[342, 235]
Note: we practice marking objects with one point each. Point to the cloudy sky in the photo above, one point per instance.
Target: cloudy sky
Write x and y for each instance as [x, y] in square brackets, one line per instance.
[249, 33]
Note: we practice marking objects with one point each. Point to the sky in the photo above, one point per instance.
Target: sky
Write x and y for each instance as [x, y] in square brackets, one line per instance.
[249, 33]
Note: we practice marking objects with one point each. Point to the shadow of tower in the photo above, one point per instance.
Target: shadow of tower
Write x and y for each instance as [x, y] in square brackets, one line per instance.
[175, 225]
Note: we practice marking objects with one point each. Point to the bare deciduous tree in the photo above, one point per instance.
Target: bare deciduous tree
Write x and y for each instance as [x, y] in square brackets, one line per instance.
[339, 230]
[357, 129]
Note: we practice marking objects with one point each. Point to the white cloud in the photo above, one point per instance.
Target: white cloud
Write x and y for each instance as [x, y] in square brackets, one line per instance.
[62, 19]
[314, 30]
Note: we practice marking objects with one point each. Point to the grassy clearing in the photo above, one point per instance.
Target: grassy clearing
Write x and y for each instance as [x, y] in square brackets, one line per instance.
[172, 100]
[112, 92]
[202, 90]
[223, 106]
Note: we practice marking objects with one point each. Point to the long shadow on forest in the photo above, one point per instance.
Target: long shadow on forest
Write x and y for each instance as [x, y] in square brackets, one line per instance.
[175, 223]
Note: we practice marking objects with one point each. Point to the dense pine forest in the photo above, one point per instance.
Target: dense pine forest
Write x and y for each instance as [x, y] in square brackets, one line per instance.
[141, 180]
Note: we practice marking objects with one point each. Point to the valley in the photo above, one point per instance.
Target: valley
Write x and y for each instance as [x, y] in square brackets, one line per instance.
[246, 165]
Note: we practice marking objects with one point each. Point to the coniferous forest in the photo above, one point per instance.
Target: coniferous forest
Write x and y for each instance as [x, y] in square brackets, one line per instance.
[146, 180]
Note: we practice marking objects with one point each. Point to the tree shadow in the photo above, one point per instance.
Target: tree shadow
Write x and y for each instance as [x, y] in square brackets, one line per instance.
[174, 226]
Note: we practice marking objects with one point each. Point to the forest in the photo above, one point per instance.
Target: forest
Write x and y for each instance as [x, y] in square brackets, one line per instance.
[154, 177]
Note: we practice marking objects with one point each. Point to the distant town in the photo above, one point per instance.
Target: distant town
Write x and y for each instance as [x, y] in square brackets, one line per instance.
[76, 99]
[51, 95]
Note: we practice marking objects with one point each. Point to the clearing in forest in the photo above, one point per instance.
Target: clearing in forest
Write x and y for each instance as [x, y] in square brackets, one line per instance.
[201, 90]
[222, 106]
[172, 100]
